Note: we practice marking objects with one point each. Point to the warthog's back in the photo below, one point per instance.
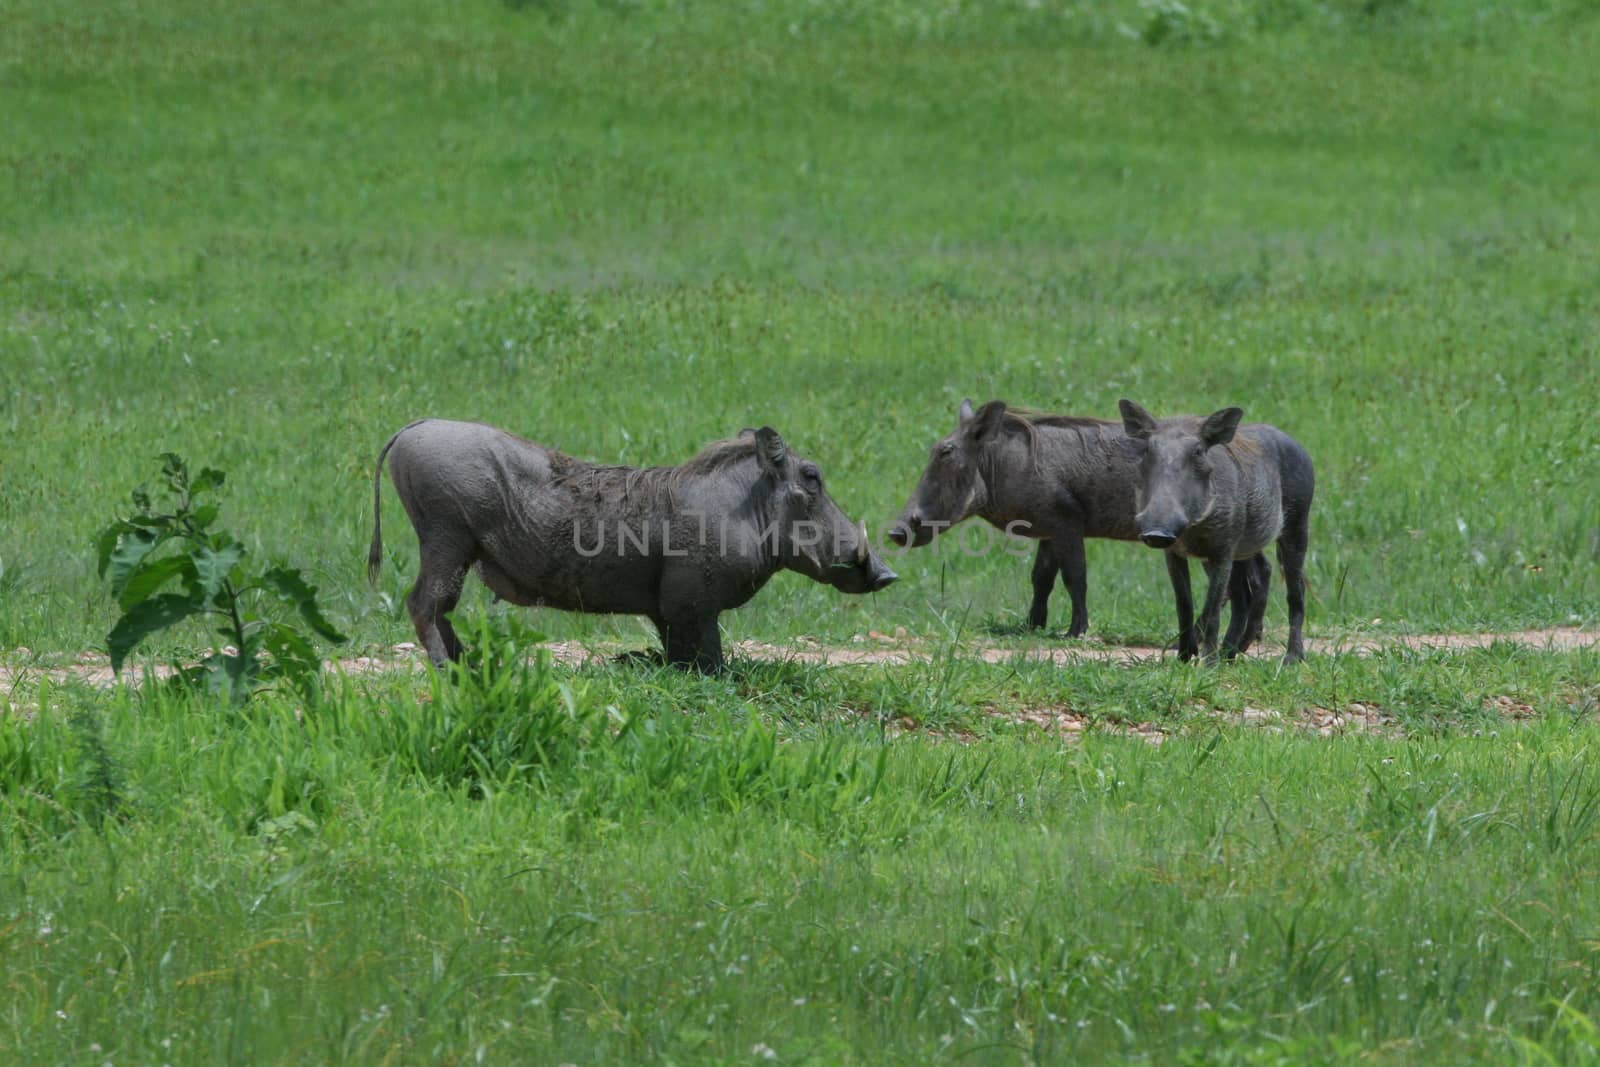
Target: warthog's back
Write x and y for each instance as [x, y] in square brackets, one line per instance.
[1090, 459]
[518, 509]
[1269, 483]
[466, 471]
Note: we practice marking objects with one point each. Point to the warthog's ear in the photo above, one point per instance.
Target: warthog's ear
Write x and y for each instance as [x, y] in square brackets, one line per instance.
[1136, 420]
[986, 423]
[1219, 426]
[771, 452]
[964, 413]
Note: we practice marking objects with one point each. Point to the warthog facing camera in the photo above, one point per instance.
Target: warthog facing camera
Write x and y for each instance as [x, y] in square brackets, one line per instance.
[1212, 490]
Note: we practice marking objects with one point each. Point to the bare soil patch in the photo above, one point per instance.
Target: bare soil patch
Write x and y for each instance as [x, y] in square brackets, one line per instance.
[19, 665]
[878, 647]
[19, 670]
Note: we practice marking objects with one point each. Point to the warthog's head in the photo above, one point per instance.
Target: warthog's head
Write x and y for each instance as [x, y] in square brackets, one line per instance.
[809, 531]
[1174, 486]
[953, 486]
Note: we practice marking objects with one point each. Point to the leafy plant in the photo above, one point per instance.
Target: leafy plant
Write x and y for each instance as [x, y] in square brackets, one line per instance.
[208, 567]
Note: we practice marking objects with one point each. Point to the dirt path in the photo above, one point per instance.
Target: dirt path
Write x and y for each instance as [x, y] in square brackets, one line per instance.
[874, 648]
[884, 648]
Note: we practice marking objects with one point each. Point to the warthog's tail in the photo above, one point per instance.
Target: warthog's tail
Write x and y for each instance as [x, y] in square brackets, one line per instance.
[375, 553]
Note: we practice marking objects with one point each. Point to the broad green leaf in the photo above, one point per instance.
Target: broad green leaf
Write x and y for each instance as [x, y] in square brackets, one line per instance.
[292, 655]
[144, 619]
[132, 547]
[230, 676]
[150, 575]
[106, 543]
[204, 515]
[208, 479]
[286, 643]
[289, 822]
[223, 539]
[175, 471]
[213, 565]
[289, 585]
[147, 521]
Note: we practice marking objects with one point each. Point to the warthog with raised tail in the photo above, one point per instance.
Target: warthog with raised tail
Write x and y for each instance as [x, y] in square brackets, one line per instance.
[1055, 478]
[1212, 490]
[678, 545]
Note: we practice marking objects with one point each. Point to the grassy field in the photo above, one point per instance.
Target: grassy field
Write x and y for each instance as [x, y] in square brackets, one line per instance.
[266, 237]
[619, 866]
[267, 240]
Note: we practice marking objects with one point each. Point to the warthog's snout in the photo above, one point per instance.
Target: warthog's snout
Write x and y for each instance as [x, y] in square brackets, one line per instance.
[910, 531]
[868, 576]
[1160, 538]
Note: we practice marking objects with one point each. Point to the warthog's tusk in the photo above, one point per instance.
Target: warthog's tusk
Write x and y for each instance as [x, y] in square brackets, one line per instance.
[861, 550]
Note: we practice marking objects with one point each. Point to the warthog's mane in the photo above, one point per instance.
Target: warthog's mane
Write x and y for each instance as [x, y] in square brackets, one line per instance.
[1030, 421]
[1242, 446]
[1239, 446]
[654, 482]
[717, 455]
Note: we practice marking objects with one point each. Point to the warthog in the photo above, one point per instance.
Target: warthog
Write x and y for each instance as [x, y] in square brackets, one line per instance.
[1212, 490]
[1055, 478]
[676, 544]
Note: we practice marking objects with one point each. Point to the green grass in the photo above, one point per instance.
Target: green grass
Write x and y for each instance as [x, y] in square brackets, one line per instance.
[267, 236]
[625, 865]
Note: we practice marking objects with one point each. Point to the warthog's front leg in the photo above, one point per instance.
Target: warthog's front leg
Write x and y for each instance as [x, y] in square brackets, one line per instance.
[1248, 588]
[1178, 571]
[1044, 582]
[693, 643]
[1075, 575]
[1218, 572]
[688, 620]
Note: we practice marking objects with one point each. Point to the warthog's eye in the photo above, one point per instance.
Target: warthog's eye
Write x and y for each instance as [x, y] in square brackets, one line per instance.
[811, 474]
[946, 450]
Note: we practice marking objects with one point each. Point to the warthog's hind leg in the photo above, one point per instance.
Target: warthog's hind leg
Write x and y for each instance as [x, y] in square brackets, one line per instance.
[1292, 560]
[1260, 588]
[1239, 602]
[1248, 586]
[438, 589]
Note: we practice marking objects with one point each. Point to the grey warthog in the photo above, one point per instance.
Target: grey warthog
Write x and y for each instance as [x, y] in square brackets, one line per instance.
[1212, 490]
[675, 544]
[1055, 478]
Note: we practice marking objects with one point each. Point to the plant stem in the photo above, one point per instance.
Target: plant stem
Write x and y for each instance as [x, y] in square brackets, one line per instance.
[233, 614]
